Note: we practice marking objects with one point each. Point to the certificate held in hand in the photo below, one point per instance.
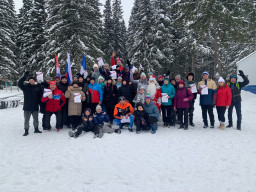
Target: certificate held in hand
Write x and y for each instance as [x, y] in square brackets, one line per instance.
[193, 88]
[47, 92]
[77, 97]
[204, 90]
[39, 77]
[164, 98]
[124, 120]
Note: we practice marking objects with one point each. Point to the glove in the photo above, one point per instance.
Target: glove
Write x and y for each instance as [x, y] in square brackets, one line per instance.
[241, 73]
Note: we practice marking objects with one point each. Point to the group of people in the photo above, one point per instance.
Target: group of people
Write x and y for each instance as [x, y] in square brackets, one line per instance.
[101, 104]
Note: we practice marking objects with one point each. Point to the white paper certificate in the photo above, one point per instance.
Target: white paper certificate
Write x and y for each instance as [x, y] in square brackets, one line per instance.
[114, 67]
[193, 88]
[47, 92]
[124, 120]
[133, 69]
[164, 98]
[77, 97]
[39, 76]
[113, 74]
[204, 90]
[100, 61]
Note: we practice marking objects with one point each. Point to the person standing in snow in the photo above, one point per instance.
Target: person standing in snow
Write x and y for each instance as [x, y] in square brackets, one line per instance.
[32, 95]
[54, 102]
[75, 106]
[189, 84]
[223, 101]
[96, 72]
[154, 91]
[181, 104]
[96, 94]
[207, 89]
[236, 98]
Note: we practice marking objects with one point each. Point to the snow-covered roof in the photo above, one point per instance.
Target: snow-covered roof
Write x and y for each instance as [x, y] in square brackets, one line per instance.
[246, 57]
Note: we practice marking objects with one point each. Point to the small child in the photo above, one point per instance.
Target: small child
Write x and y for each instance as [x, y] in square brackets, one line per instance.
[101, 82]
[141, 118]
[87, 124]
[140, 96]
[181, 104]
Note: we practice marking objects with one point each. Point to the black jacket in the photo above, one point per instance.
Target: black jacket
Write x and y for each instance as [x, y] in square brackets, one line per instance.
[127, 91]
[110, 95]
[139, 116]
[32, 95]
[63, 87]
[236, 89]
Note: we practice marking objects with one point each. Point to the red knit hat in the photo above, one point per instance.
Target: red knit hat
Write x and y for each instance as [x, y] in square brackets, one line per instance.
[53, 83]
[181, 82]
[160, 76]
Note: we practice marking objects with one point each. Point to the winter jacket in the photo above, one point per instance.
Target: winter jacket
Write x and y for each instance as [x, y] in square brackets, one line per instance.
[87, 124]
[113, 63]
[169, 89]
[152, 110]
[86, 89]
[74, 109]
[140, 98]
[122, 110]
[110, 95]
[56, 103]
[118, 84]
[136, 76]
[63, 87]
[105, 73]
[32, 95]
[160, 83]
[187, 85]
[180, 95]
[102, 85]
[127, 91]
[100, 118]
[139, 116]
[212, 88]
[139, 82]
[96, 93]
[236, 89]
[43, 85]
[96, 74]
[224, 96]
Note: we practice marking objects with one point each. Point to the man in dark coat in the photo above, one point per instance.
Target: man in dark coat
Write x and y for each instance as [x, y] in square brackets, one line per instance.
[32, 96]
[236, 98]
[63, 86]
[128, 91]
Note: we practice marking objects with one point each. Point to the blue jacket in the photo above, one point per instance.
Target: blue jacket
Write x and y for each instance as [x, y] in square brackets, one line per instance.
[152, 110]
[100, 118]
[169, 89]
[96, 93]
[212, 90]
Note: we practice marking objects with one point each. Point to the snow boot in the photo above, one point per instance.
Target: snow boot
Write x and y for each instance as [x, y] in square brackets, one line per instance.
[212, 126]
[72, 134]
[186, 128]
[130, 129]
[205, 126]
[153, 132]
[26, 132]
[222, 126]
[37, 131]
[118, 131]
[238, 126]
[230, 124]
[181, 127]
[191, 123]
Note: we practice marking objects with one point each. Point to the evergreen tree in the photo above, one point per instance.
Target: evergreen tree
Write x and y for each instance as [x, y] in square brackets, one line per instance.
[8, 49]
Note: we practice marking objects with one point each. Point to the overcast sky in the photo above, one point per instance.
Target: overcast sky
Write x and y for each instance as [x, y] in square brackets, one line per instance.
[126, 4]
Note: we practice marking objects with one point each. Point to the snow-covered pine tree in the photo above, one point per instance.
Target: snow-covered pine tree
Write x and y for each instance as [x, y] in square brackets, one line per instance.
[8, 49]
[119, 42]
[35, 44]
[108, 31]
[123, 39]
[73, 27]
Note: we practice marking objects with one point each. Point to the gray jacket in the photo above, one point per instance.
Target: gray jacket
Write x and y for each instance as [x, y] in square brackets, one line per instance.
[152, 110]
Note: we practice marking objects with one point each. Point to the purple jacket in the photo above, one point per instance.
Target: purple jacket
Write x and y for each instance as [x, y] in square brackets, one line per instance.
[180, 95]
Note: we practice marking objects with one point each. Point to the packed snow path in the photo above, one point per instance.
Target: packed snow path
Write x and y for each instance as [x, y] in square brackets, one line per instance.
[172, 160]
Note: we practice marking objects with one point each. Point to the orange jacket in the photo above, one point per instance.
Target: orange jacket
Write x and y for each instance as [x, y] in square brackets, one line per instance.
[122, 110]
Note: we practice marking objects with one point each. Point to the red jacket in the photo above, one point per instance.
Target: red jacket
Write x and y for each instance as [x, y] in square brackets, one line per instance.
[157, 98]
[113, 63]
[55, 104]
[224, 96]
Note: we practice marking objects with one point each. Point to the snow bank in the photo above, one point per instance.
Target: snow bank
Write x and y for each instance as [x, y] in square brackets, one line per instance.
[196, 160]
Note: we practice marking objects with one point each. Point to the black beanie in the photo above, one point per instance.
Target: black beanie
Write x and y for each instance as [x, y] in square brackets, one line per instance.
[31, 78]
[63, 77]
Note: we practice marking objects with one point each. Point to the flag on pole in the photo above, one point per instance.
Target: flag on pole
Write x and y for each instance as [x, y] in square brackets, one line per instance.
[68, 71]
[83, 66]
[57, 67]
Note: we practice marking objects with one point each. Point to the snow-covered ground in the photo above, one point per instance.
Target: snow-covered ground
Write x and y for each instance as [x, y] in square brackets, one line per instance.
[196, 160]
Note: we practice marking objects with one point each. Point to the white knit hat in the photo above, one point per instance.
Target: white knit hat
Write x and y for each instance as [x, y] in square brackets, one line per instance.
[221, 80]
[95, 65]
[98, 107]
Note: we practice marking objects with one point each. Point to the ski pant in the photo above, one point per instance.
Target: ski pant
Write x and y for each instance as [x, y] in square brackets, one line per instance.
[110, 112]
[183, 116]
[87, 128]
[167, 112]
[64, 116]
[93, 107]
[221, 113]
[118, 122]
[48, 119]
[191, 111]
[237, 105]
[75, 120]
[209, 109]
[27, 115]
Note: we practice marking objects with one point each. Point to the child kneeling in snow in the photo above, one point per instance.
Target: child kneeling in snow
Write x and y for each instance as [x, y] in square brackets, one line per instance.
[87, 125]
[141, 118]
[99, 118]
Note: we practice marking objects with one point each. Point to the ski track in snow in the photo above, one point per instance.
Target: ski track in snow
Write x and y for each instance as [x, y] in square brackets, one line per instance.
[196, 160]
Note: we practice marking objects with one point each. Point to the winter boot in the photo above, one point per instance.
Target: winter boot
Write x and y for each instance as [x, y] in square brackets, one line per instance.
[153, 132]
[212, 126]
[181, 126]
[230, 124]
[118, 131]
[72, 134]
[191, 123]
[219, 126]
[26, 132]
[238, 126]
[37, 131]
[222, 126]
[205, 126]
[138, 132]
[130, 129]
[186, 128]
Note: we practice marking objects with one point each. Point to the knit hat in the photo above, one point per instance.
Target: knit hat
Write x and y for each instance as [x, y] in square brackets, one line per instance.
[205, 73]
[177, 76]
[95, 66]
[74, 82]
[88, 109]
[31, 78]
[190, 74]
[98, 107]
[100, 77]
[233, 76]
[108, 78]
[47, 78]
[63, 77]
[152, 78]
[119, 60]
[120, 77]
[160, 76]
[148, 96]
[221, 80]
[139, 104]
[181, 82]
[142, 74]
[53, 83]
[142, 87]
